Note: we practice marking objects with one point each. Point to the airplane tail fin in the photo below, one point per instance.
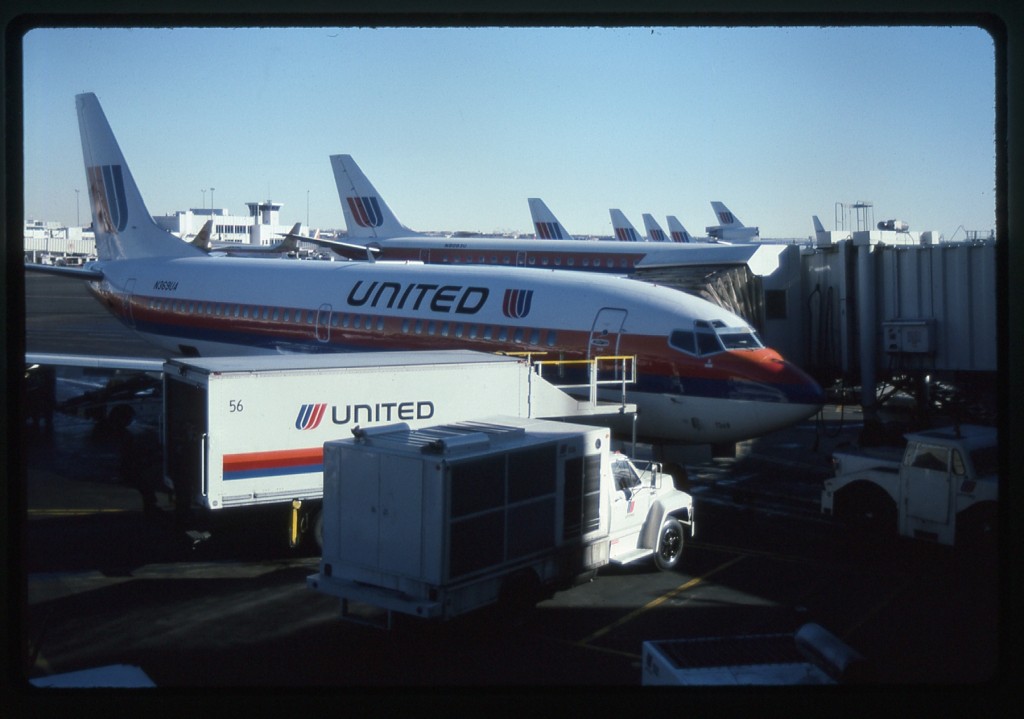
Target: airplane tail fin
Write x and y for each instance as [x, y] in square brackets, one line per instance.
[677, 231]
[290, 243]
[725, 217]
[545, 224]
[367, 216]
[202, 238]
[818, 227]
[123, 227]
[653, 229]
[624, 230]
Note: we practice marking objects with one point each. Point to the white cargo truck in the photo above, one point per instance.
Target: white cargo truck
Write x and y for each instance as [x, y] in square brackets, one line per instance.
[943, 487]
[439, 521]
[247, 431]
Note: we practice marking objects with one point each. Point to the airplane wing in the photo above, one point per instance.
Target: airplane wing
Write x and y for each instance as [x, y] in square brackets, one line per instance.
[95, 361]
[350, 250]
[82, 273]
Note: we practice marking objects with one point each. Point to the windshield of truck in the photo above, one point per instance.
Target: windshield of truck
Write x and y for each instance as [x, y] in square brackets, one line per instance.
[625, 476]
[926, 456]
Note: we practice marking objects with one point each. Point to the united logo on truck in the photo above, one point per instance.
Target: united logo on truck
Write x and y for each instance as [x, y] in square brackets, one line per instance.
[310, 415]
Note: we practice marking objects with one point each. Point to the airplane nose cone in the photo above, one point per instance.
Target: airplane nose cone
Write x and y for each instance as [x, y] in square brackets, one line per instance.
[799, 387]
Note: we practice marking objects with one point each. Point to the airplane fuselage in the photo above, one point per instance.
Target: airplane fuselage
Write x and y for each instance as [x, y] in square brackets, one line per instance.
[233, 306]
[605, 256]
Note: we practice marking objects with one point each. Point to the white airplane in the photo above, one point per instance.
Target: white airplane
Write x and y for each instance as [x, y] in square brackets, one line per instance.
[289, 244]
[653, 229]
[730, 227]
[677, 231]
[624, 230]
[613, 257]
[703, 375]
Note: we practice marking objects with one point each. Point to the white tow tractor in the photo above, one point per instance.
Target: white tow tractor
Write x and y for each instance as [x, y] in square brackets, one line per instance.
[943, 487]
[439, 521]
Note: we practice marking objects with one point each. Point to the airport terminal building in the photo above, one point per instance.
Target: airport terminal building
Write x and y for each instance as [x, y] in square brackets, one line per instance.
[48, 242]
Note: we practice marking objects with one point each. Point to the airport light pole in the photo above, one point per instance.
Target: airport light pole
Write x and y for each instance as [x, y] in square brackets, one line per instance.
[211, 201]
[78, 214]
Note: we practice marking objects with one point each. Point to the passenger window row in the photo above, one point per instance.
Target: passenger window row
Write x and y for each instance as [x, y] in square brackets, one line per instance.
[543, 261]
[345, 320]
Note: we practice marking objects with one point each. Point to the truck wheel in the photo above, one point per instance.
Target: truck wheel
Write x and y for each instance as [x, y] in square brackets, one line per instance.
[670, 545]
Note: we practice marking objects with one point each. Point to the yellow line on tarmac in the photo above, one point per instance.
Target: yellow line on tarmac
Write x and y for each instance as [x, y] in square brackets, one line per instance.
[877, 608]
[83, 511]
[657, 602]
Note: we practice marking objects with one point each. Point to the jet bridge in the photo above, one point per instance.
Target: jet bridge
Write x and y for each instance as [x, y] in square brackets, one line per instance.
[760, 282]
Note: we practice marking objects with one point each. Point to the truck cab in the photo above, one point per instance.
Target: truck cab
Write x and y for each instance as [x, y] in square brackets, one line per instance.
[647, 513]
[945, 488]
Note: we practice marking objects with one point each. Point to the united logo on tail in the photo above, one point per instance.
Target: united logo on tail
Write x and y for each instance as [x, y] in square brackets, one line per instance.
[106, 187]
[548, 231]
[517, 303]
[366, 211]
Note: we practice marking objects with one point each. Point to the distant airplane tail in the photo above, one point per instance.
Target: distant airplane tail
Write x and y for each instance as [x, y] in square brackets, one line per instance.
[545, 224]
[290, 243]
[653, 229]
[725, 216]
[123, 227]
[367, 216]
[677, 231]
[202, 238]
[818, 227]
[624, 230]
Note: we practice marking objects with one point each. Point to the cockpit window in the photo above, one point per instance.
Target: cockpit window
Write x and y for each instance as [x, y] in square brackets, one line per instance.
[683, 340]
[710, 337]
[707, 343]
[737, 339]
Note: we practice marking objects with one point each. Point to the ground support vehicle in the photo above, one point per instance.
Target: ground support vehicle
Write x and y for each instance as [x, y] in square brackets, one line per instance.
[249, 431]
[944, 488]
[812, 655]
[439, 521]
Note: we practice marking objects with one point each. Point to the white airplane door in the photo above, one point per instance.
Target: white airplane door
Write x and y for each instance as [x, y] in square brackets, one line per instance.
[604, 334]
[323, 323]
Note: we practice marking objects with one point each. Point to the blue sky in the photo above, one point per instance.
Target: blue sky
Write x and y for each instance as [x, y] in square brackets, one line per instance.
[458, 127]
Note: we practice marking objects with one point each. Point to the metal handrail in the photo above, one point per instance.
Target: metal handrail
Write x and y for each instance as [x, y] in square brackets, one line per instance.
[627, 373]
